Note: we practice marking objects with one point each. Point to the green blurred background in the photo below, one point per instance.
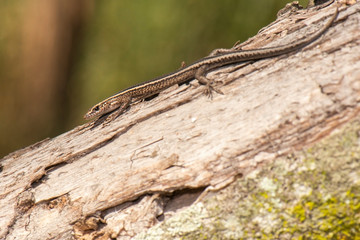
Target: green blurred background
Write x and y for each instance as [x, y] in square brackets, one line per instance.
[60, 57]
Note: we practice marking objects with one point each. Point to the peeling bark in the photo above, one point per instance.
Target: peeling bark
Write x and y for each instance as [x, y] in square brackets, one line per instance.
[116, 180]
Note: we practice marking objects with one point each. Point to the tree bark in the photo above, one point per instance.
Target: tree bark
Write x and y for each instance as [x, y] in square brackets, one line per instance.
[116, 180]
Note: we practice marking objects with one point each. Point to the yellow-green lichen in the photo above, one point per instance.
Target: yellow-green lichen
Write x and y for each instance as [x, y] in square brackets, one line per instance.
[312, 194]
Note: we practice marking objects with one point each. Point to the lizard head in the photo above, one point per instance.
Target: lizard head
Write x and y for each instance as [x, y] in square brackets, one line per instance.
[102, 108]
[93, 112]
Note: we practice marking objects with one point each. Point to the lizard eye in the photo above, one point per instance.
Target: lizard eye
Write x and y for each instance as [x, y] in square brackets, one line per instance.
[96, 108]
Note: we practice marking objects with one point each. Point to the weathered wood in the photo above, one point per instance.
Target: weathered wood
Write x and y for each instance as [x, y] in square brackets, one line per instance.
[117, 180]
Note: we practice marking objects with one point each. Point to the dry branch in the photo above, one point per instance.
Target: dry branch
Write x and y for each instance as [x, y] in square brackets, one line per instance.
[122, 178]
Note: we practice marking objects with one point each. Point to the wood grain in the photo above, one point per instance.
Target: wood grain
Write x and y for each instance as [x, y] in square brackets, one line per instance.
[117, 180]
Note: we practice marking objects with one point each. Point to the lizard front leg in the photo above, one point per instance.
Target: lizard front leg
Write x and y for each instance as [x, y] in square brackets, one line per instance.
[126, 100]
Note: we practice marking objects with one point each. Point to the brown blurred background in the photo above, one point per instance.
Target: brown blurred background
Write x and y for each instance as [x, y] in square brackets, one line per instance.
[60, 57]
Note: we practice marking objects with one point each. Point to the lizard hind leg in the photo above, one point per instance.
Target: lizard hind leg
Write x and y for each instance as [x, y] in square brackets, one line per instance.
[200, 76]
